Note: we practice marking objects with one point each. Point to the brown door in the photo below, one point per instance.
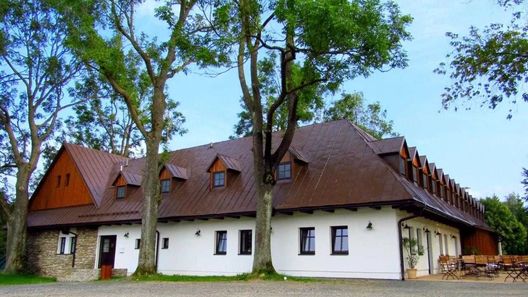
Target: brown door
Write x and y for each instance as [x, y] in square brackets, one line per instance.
[107, 250]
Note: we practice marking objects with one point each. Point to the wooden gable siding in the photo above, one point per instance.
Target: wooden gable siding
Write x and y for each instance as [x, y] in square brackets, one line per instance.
[479, 241]
[120, 181]
[218, 166]
[165, 174]
[52, 195]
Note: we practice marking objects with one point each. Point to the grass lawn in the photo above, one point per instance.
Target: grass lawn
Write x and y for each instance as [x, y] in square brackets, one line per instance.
[19, 279]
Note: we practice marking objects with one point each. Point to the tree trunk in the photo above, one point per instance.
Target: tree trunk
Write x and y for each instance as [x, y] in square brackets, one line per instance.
[262, 262]
[17, 225]
[147, 253]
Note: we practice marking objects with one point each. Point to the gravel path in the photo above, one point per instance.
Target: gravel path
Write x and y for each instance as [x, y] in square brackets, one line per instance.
[359, 288]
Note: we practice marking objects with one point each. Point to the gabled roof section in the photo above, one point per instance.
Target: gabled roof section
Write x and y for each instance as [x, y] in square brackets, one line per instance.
[432, 168]
[95, 167]
[425, 164]
[388, 145]
[177, 171]
[414, 156]
[298, 155]
[131, 178]
[229, 162]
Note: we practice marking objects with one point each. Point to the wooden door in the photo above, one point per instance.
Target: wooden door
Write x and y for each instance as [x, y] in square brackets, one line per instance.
[107, 249]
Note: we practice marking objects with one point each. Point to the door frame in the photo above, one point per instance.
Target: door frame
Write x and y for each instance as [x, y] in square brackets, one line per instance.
[101, 242]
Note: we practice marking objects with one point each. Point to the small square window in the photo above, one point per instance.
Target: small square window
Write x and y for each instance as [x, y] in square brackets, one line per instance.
[165, 185]
[307, 242]
[245, 242]
[67, 181]
[284, 171]
[120, 192]
[221, 243]
[138, 243]
[58, 180]
[218, 179]
[165, 243]
[340, 240]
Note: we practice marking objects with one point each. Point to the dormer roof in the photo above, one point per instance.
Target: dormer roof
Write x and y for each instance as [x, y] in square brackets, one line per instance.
[298, 155]
[131, 178]
[229, 162]
[177, 171]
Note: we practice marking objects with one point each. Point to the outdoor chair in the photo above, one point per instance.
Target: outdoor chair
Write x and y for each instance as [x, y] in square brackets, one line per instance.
[470, 266]
[493, 265]
[448, 267]
[510, 267]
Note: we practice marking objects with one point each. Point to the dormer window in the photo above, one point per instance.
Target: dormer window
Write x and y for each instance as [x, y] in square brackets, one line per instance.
[120, 192]
[165, 185]
[284, 171]
[218, 179]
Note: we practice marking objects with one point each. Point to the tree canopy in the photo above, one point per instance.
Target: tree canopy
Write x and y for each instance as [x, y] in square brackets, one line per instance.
[289, 52]
[489, 64]
[500, 218]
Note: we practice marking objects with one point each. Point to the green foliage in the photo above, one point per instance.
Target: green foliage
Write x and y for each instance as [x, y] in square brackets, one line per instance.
[490, 64]
[414, 251]
[524, 182]
[500, 218]
[371, 118]
[23, 279]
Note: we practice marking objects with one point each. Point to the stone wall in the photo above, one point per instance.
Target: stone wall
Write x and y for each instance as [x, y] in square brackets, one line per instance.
[43, 258]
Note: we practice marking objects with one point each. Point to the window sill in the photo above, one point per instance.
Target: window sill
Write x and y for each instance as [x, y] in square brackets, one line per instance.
[220, 254]
[244, 254]
[339, 254]
[307, 254]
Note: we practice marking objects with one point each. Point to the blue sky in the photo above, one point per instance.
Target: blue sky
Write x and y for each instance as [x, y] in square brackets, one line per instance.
[480, 148]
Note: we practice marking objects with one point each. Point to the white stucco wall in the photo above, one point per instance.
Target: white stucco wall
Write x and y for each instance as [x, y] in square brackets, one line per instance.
[372, 253]
[434, 227]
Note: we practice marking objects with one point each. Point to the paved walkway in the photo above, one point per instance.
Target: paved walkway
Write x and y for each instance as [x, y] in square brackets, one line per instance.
[361, 288]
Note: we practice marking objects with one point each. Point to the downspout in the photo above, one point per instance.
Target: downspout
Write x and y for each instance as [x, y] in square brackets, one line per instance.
[75, 248]
[402, 266]
[157, 248]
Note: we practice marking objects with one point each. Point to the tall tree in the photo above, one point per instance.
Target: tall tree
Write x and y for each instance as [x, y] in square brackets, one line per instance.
[499, 217]
[516, 205]
[490, 65]
[36, 68]
[524, 182]
[371, 118]
[102, 31]
[314, 44]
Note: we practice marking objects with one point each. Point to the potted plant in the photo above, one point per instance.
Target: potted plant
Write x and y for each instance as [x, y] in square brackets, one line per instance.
[414, 251]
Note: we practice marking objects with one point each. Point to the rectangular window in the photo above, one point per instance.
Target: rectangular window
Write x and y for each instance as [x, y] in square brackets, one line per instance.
[307, 242]
[245, 242]
[284, 171]
[121, 192]
[340, 240]
[455, 240]
[446, 242]
[138, 243]
[218, 179]
[62, 248]
[67, 181]
[424, 181]
[165, 243]
[165, 185]
[419, 240]
[73, 244]
[58, 180]
[402, 166]
[221, 243]
[440, 244]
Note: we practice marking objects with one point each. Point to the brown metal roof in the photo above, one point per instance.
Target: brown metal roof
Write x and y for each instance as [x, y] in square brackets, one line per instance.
[229, 162]
[298, 155]
[344, 170]
[177, 171]
[389, 145]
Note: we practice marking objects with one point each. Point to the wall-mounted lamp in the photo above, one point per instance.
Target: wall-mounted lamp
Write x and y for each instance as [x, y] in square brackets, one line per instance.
[426, 230]
[437, 233]
[453, 236]
[198, 232]
[369, 226]
[406, 227]
[126, 235]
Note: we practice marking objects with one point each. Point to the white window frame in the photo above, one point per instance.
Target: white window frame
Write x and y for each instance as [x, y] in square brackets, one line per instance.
[68, 238]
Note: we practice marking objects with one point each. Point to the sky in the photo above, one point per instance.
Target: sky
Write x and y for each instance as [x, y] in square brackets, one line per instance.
[480, 148]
